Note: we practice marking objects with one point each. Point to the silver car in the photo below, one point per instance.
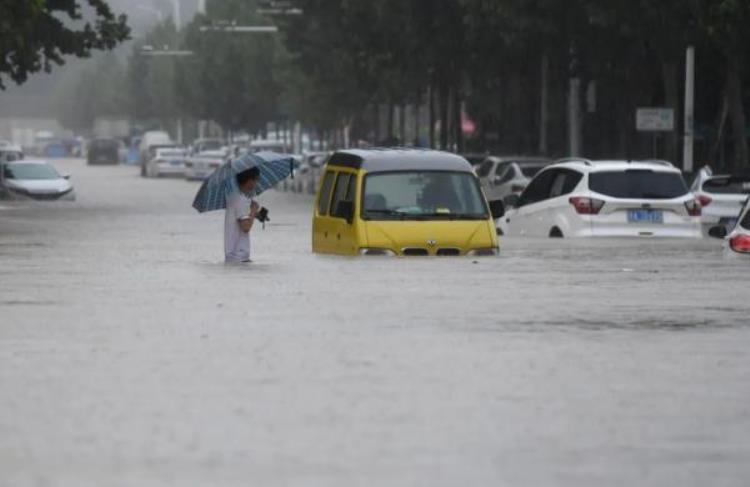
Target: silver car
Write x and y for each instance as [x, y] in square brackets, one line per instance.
[34, 179]
[504, 176]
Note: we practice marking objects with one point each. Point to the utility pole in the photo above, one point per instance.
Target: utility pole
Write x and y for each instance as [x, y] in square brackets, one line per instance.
[574, 107]
[689, 138]
[544, 107]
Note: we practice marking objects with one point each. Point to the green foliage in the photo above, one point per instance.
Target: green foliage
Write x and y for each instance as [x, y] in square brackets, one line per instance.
[35, 34]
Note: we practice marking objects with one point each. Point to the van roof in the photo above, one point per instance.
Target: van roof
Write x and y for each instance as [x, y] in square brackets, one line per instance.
[399, 159]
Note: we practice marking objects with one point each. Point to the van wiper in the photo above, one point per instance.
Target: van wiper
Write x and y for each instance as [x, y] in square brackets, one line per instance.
[452, 216]
[400, 214]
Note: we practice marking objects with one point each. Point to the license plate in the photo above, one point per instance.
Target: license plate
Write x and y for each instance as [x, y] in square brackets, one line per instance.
[645, 216]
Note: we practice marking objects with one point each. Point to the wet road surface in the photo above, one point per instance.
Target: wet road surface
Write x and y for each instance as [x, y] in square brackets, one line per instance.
[130, 355]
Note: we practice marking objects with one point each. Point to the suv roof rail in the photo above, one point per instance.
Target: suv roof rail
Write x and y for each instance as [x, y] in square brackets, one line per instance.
[660, 162]
[574, 159]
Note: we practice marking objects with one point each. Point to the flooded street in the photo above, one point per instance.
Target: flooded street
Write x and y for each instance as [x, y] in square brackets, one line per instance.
[131, 355]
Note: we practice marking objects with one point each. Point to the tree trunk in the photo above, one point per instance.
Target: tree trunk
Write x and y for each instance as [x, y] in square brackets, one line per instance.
[444, 94]
[458, 120]
[432, 115]
[737, 116]
[391, 121]
[416, 112]
[402, 124]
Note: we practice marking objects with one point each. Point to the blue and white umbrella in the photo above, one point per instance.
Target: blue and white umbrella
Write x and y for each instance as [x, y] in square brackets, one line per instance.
[215, 190]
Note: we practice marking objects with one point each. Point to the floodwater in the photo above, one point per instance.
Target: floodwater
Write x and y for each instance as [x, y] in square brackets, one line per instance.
[131, 356]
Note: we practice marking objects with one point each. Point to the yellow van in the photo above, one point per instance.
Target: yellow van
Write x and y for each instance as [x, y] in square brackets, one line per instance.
[405, 202]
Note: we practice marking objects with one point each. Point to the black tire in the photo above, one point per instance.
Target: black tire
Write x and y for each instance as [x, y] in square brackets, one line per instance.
[556, 233]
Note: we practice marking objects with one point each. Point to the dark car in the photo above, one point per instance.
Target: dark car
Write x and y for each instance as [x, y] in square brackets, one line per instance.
[104, 151]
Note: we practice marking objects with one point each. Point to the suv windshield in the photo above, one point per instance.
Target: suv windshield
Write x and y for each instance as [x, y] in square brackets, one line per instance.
[30, 171]
[422, 195]
[728, 185]
[638, 184]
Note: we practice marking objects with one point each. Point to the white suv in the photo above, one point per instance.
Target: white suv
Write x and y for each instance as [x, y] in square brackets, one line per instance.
[722, 197]
[582, 198]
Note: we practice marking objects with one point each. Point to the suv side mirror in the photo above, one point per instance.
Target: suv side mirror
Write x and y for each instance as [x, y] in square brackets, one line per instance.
[345, 210]
[497, 209]
[719, 232]
[512, 201]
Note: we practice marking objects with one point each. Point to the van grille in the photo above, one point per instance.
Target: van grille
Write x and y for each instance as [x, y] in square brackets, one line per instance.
[415, 252]
[448, 252]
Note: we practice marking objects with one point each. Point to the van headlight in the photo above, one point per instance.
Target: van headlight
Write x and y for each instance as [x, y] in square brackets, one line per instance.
[489, 252]
[377, 252]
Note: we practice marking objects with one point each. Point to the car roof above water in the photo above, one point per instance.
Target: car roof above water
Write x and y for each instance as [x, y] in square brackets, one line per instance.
[617, 165]
[390, 160]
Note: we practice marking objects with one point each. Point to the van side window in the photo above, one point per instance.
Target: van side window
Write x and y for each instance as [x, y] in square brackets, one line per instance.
[325, 193]
[339, 195]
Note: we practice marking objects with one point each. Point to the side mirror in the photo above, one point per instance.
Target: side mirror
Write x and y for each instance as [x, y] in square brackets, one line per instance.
[497, 208]
[719, 232]
[512, 201]
[345, 210]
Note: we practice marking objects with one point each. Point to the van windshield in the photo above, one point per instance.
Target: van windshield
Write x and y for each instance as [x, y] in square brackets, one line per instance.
[638, 184]
[422, 195]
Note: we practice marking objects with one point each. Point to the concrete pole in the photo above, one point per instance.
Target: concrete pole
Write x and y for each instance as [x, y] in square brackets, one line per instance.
[544, 107]
[689, 139]
[574, 117]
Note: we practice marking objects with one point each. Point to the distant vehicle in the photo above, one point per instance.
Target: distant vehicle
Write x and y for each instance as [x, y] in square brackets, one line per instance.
[103, 151]
[503, 176]
[201, 166]
[402, 202]
[722, 197]
[10, 152]
[149, 142]
[34, 179]
[581, 198]
[203, 145]
[475, 159]
[737, 238]
[270, 145]
[167, 162]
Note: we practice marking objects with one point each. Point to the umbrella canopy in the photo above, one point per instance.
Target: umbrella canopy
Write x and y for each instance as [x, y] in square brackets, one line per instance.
[213, 194]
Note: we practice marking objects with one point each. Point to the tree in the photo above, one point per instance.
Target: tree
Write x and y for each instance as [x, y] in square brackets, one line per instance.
[34, 34]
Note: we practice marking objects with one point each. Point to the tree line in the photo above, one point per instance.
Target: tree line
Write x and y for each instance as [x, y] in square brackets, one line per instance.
[504, 76]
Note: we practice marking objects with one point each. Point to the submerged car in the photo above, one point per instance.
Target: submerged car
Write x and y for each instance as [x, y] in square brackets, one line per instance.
[721, 196]
[34, 179]
[167, 162]
[582, 198]
[403, 202]
[503, 176]
[738, 238]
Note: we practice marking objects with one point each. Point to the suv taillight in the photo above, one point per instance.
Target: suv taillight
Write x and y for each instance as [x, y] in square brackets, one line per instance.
[587, 206]
[740, 243]
[704, 200]
[694, 208]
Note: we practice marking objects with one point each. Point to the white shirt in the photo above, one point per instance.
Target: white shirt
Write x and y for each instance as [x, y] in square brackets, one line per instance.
[236, 242]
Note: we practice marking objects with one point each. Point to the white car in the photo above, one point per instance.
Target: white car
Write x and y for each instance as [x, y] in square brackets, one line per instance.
[503, 176]
[10, 152]
[149, 142]
[34, 179]
[722, 198]
[167, 162]
[201, 166]
[582, 198]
